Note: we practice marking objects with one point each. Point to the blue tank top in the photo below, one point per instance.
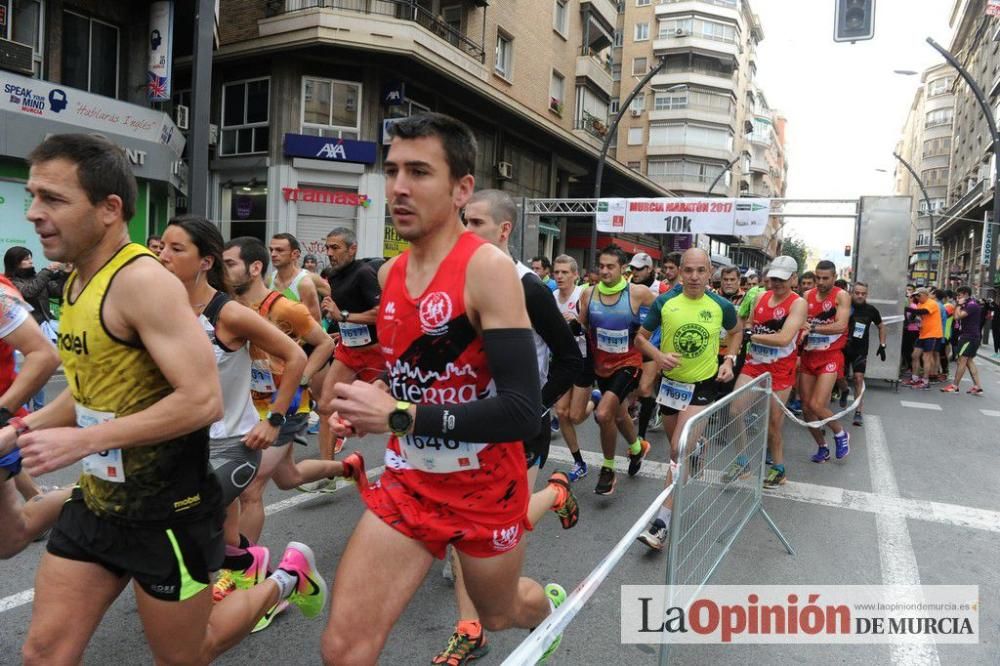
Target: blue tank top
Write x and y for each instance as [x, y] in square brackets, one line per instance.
[611, 331]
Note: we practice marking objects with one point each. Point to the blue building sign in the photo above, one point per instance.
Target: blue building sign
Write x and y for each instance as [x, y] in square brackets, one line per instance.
[329, 148]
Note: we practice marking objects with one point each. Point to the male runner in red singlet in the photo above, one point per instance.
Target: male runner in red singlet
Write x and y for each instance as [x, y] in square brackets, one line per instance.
[775, 324]
[829, 310]
[454, 329]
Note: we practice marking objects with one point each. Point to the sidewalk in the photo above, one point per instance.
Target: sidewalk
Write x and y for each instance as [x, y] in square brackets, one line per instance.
[987, 356]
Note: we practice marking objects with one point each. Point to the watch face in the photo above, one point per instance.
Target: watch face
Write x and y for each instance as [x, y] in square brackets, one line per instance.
[399, 421]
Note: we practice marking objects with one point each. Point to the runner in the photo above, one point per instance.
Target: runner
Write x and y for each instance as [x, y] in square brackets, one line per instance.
[774, 323]
[968, 313]
[671, 272]
[574, 406]
[143, 390]
[491, 214]
[609, 312]
[643, 274]
[823, 358]
[288, 279]
[690, 321]
[730, 290]
[311, 264]
[22, 522]
[543, 269]
[925, 351]
[863, 317]
[807, 281]
[352, 307]
[461, 401]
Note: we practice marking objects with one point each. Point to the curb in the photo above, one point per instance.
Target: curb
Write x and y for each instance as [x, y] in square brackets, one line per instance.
[987, 357]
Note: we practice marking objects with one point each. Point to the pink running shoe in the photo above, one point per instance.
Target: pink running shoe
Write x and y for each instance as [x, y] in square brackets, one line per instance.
[310, 591]
[256, 572]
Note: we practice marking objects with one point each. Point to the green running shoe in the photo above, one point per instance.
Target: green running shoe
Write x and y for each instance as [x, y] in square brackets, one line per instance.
[556, 595]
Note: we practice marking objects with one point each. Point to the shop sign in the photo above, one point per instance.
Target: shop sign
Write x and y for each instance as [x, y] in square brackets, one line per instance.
[326, 148]
[393, 244]
[325, 196]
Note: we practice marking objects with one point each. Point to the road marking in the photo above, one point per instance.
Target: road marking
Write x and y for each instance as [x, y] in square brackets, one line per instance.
[838, 498]
[21, 598]
[990, 412]
[920, 405]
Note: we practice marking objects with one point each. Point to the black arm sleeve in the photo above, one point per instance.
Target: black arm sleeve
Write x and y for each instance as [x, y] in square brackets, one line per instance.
[512, 415]
[550, 325]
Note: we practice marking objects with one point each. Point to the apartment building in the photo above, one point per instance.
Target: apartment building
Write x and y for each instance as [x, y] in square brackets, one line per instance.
[303, 91]
[925, 144]
[702, 126]
[970, 178]
[81, 66]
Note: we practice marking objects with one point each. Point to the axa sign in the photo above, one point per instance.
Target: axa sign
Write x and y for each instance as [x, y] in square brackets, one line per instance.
[330, 149]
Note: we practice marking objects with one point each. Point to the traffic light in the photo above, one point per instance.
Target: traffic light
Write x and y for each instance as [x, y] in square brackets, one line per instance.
[854, 20]
[847, 250]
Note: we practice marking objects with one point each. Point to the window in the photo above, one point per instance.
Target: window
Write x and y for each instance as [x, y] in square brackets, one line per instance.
[690, 135]
[935, 177]
[560, 20]
[638, 66]
[937, 204]
[938, 117]
[556, 86]
[245, 106]
[937, 147]
[613, 106]
[686, 26]
[616, 72]
[939, 86]
[638, 103]
[634, 136]
[90, 54]
[28, 28]
[619, 38]
[686, 170]
[505, 55]
[642, 3]
[641, 32]
[331, 108]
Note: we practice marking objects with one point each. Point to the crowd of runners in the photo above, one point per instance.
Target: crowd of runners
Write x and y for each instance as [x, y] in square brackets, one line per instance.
[193, 365]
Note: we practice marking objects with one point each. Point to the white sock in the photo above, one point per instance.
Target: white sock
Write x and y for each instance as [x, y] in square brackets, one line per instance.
[664, 515]
[286, 582]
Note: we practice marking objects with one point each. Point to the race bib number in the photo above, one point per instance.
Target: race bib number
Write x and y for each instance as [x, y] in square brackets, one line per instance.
[612, 342]
[859, 330]
[106, 465]
[261, 378]
[355, 335]
[816, 341]
[675, 395]
[768, 354]
[437, 455]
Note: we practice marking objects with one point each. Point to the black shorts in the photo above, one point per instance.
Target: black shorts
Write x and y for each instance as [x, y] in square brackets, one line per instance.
[929, 345]
[536, 449]
[705, 393]
[855, 364]
[169, 563]
[622, 382]
[586, 377]
[968, 347]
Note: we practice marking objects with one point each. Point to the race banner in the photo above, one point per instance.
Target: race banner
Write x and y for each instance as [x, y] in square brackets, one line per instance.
[729, 217]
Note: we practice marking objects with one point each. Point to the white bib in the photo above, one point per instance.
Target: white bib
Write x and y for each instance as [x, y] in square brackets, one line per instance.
[612, 341]
[859, 330]
[436, 455]
[675, 395]
[261, 379]
[768, 354]
[355, 335]
[106, 465]
[818, 341]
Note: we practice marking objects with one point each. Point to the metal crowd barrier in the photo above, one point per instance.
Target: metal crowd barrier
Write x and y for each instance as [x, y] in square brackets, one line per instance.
[716, 489]
[718, 486]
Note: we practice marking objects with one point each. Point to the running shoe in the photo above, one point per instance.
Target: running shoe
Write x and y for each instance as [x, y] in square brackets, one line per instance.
[911, 381]
[842, 444]
[556, 595]
[821, 455]
[354, 469]
[635, 459]
[224, 585]
[975, 390]
[738, 469]
[256, 572]
[578, 472]
[338, 445]
[843, 398]
[859, 419]
[268, 617]
[313, 429]
[321, 486]
[775, 477]
[951, 388]
[939, 378]
[310, 592]
[606, 482]
[655, 536]
[462, 647]
[795, 406]
[554, 425]
[568, 510]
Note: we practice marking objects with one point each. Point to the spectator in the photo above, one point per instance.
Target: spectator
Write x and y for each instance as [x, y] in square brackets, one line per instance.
[35, 287]
[155, 244]
[543, 269]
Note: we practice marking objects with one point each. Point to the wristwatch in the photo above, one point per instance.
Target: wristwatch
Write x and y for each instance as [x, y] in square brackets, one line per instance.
[277, 419]
[400, 420]
[344, 314]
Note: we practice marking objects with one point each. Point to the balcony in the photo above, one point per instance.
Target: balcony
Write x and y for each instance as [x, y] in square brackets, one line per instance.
[691, 150]
[696, 78]
[595, 70]
[717, 8]
[699, 112]
[685, 42]
[594, 126]
[367, 23]
[605, 10]
[692, 183]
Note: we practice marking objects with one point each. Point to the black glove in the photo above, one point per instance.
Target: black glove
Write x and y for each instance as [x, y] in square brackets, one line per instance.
[881, 352]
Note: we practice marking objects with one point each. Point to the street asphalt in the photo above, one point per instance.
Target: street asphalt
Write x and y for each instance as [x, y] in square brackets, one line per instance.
[924, 465]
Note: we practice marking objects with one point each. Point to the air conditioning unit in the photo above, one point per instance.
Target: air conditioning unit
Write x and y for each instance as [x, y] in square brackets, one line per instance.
[681, 32]
[16, 57]
[505, 170]
[182, 117]
[213, 134]
[636, 113]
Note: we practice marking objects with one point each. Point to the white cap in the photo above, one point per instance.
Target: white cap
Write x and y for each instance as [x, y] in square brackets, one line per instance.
[641, 260]
[782, 267]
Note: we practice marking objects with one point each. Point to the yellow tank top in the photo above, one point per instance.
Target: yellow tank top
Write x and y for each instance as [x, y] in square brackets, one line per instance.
[111, 378]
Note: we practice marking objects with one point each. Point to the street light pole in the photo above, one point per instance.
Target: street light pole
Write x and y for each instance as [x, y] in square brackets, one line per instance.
[995, 135]
[930, 214]
[722, 173]
[622, 108]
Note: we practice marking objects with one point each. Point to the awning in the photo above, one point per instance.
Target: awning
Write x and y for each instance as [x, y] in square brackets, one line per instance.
[548, 229]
